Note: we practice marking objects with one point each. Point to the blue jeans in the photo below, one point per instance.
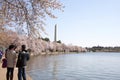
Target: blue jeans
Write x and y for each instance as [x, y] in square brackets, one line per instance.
[9, 74]
[21, 74]
[0, 56]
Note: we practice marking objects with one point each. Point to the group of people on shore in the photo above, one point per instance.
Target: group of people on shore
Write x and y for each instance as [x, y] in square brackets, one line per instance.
[18, 59]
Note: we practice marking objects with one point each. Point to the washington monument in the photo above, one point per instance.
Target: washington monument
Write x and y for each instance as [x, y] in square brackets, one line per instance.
[55, 33]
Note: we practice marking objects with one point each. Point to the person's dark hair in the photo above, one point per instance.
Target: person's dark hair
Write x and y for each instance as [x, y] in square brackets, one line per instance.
[11, 47]
[15, 46]
[23, 47]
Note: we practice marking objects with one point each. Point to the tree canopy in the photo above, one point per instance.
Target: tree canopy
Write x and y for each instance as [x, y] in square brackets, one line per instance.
[27, 15]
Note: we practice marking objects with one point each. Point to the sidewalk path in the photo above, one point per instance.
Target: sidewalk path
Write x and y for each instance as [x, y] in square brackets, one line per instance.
[3, 74]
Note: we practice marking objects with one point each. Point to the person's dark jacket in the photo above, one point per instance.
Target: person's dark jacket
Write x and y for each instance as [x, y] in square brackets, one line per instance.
[23, 57]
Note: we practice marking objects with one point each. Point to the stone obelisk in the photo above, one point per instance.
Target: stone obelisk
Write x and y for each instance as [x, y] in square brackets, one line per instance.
[55, 33]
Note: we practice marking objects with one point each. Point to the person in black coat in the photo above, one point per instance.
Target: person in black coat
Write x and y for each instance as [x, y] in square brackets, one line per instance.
[23, 57]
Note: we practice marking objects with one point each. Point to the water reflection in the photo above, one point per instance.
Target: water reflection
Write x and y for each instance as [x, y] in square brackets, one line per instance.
[55, 70]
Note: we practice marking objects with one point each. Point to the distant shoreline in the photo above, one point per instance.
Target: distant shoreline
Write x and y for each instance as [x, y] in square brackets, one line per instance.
[103, 49]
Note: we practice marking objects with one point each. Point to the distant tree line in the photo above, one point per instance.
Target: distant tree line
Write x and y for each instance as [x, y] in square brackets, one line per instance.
[103, 49]
[48, 40]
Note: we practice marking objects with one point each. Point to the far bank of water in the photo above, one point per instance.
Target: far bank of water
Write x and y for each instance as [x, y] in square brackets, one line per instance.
[82, 66]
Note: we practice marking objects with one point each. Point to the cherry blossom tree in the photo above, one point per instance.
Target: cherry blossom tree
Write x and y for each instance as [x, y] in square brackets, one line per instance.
[30, 15]
[8, 37]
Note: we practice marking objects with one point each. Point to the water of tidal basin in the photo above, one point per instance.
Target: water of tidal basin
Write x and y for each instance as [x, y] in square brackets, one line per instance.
[82, 66]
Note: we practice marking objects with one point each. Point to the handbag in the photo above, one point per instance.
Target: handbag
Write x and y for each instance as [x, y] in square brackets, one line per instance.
[4, 63]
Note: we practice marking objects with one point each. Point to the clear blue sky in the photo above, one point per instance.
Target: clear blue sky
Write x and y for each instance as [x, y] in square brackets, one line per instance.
[87, 23]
